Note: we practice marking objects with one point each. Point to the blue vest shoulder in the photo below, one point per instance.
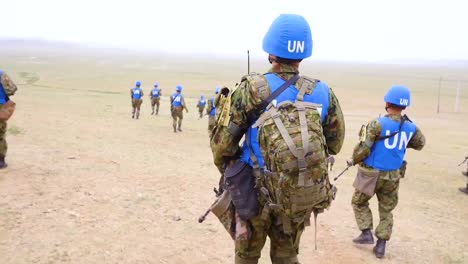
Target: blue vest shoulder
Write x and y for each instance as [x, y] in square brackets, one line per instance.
[3, 96]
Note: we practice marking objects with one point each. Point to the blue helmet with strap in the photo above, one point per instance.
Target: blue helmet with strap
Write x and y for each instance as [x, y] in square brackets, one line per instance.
[178, 88]
[202, 97]
[137, 83]
[398, 95]
[289, 37]
[217, 90]
[156, 84]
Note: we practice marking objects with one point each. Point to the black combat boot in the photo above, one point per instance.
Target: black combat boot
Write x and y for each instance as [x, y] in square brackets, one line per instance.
[365, 237]
[3, 163]
[379, 249]
[464, 190]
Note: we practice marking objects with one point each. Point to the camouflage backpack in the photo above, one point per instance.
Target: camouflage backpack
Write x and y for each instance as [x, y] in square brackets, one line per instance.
[295, 180]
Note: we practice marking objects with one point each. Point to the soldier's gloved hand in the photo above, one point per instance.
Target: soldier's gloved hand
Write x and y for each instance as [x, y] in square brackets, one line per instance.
[350, 162]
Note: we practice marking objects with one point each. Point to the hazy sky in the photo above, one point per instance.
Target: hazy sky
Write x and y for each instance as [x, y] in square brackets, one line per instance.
[341, 30]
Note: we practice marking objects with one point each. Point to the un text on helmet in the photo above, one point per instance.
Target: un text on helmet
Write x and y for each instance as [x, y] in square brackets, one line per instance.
[297, 46]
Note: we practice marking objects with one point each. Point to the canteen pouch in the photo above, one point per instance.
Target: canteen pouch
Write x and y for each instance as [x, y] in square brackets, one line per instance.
[366, 180]
[223, 209]
[6, 110]
[240, 182]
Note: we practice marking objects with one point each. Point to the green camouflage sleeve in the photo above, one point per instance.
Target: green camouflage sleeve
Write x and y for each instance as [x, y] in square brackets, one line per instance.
[334, 125]
[8, 85]
[418, 141]
[363, 148]
[224, 145]
[209, 106]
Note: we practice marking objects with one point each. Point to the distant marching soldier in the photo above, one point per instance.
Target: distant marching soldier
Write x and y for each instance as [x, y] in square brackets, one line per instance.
[211, 111]
[380, 155]
[177, 107]
[155, 97]
[136, 94]
[201, 105]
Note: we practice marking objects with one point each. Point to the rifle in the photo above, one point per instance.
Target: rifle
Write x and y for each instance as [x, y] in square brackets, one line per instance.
[203, 216]
[466, 158]
[341, 173]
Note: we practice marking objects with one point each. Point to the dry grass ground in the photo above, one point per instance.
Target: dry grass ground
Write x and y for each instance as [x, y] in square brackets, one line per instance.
[87, 184]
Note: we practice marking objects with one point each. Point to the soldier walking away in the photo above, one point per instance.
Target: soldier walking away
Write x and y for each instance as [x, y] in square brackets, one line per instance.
[155, 96]
[211, 110]
[201, 105]
[465, 190]
[380, 155]
[177, 107]
[136, 94]
[269, 191]
[7, 89]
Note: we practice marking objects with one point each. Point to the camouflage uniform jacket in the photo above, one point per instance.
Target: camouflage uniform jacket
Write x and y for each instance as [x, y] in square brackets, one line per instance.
[8, 85]
[373, 130]
[246, 99]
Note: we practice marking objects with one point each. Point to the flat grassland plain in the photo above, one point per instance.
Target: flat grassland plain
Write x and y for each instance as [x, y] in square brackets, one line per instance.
[88, 184]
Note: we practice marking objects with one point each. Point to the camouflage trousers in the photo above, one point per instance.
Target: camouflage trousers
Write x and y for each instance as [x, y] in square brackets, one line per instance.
[3, 143]
[177, 116]
[283, 248]
[211, 122]
[387, 195]
[200, 111]
[136, 104]
[155, 102]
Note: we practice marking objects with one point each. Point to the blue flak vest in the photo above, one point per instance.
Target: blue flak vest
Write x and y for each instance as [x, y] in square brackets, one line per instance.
[201, 102]
[388, 154]
[3, 96]
[319, 95]
[155, 92]
[176, 99]
[136, 93]
[213, 108]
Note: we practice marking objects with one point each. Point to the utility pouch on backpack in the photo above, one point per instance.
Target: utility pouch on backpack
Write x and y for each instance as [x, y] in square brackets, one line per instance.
[7, 110]
[224, 211]
[240, 182]
[366, 180]
[403, 169]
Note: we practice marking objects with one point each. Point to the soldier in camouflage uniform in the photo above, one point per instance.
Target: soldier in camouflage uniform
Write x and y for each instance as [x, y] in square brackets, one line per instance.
[380, 154]
[177, 107]
[136, 96]
[201, 105]
[155, 96]
[211, 110]
[250, 235]
[7, 89]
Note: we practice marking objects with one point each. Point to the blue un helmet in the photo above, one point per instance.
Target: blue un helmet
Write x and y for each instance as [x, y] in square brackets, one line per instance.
[398, 95]
[178, 88]
[137, 83]
[156, 84]
[217, 90]
[202, 97]
[289, 37]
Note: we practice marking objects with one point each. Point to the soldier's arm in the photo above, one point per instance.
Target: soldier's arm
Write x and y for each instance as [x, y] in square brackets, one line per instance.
[367, 140]
[131, 94]
[334, 126]
[418, 141]
[184, 106]
[8, 85]
[225, 140]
